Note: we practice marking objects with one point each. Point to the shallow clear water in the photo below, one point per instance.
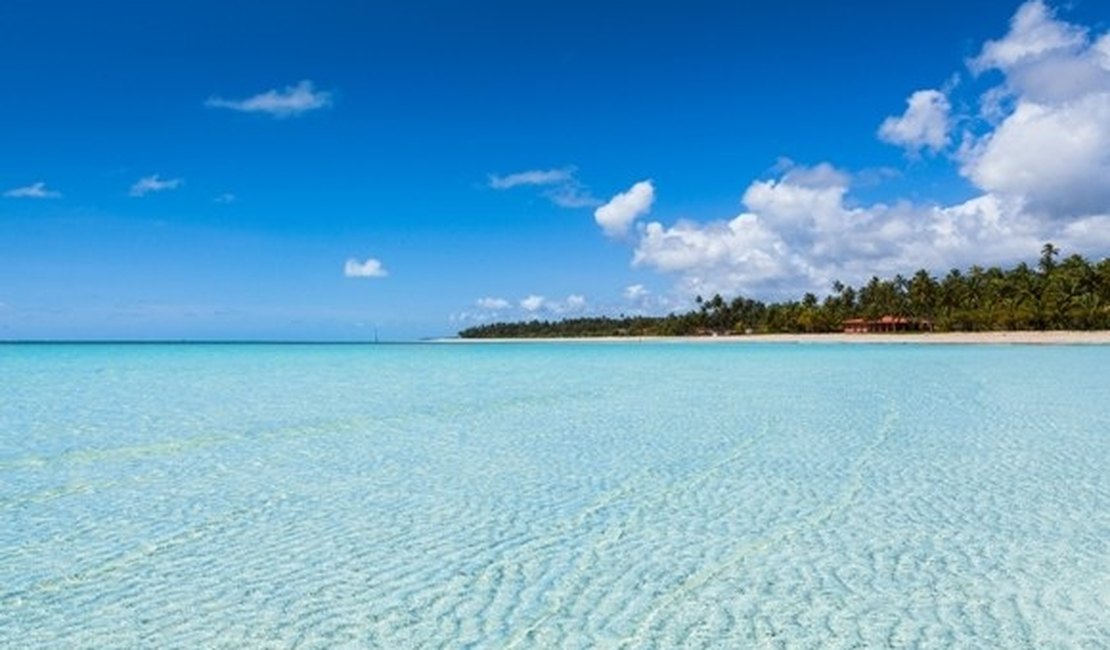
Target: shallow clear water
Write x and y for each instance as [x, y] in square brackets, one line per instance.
[606, 495]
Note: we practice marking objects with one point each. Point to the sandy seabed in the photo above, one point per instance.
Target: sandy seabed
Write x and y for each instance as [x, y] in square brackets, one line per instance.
[619, 495]
[1101, 337]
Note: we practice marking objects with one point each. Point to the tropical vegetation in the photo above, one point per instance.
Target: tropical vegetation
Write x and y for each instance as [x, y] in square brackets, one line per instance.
[1072, 293]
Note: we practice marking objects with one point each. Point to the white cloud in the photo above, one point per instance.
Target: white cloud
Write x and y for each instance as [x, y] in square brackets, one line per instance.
[530, 307]
[572, 195]
[149, 184]
[574, 303]
[995, 104]
[226, 197]
[492, 304]
[741, 255]
[33, 191]
[1044, 60]
[1034, 31]
[616, 216]
[532, 303]
[531, 177]
[636, 292]
[1102, 50]
[1041, 163]
[1050, 145]
[1056, 157]
[564, 188]
[924, 125]
[371, 268]
[290, 101]
[795, 238]
[1089, 233]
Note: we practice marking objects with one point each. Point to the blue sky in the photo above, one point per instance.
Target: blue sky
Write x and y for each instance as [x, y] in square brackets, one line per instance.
[317, 170]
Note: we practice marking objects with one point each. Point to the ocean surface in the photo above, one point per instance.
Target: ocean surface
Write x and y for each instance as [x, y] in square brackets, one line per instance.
[625, 495]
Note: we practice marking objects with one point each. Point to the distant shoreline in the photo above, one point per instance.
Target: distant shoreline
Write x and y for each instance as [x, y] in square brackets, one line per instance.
[1032, 337]
[1100, 337]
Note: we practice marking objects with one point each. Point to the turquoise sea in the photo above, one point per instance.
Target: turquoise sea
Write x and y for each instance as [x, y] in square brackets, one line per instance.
[554, 495]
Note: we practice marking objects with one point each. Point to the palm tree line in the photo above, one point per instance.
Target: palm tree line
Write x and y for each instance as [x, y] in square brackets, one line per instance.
[1058, 294]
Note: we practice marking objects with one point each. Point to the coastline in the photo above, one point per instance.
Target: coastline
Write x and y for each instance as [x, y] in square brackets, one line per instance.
[1100, 337]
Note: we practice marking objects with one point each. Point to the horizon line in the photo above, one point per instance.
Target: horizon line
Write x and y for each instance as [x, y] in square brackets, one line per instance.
[109, 341]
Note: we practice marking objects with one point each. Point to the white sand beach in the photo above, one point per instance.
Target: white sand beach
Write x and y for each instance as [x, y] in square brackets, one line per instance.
[1101, 337]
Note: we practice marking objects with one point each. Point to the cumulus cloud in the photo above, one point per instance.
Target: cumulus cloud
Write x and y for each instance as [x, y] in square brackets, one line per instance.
[636, 292]
[794, 238]
[751, 251]
[1040, 163]
[492, 304]
[287, 102]
[33, 191]
[1050, 145]
[1037, 156]
[532, 303]
[531, 306]
[616, 216]
[924, 125]
[1034, 31]
[562, 185]
[741, 254]
[1056, 157]
[154, 183]
[370, 268]
[574, 303]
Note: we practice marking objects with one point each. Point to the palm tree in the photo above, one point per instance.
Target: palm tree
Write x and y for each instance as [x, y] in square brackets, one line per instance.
[953, 296]
[1048, 258]
[1024, 296]
[923, 295]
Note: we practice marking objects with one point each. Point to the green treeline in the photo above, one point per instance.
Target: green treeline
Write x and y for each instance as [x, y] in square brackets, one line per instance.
[1068, 294]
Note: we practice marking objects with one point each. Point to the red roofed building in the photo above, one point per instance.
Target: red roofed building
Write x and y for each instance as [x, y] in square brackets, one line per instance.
[886, 324]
